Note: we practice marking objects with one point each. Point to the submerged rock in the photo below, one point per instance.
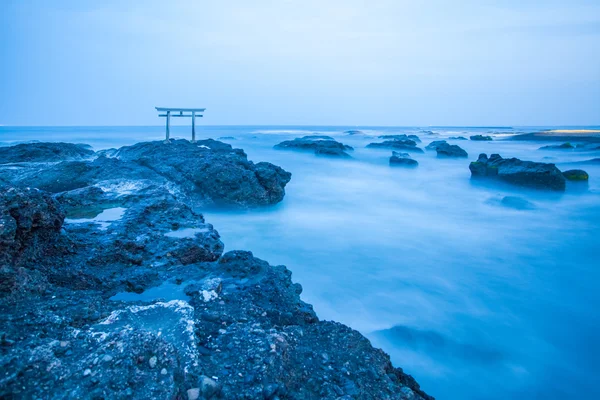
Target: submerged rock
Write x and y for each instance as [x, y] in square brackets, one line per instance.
[44, 152]
[355, 132]
[406, 145]
[320, 145]
[564, 146]
[481, 137]
[457, 138]
[522, 173]
[576, 175]
[402, 160]
[518, 203]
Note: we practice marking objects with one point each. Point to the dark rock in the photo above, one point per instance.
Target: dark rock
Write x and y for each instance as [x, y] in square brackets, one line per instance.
[243, 332]
[402, 160]
[414, 138]
[433, 145]
[355, 132]
[450, 150]
[564, 146]
[30, 220]
[515, 171]
[406, 145]
[208, 172]
[320, 145]
[481, 137]
[45, 152]
[576, 175]
[457, 138]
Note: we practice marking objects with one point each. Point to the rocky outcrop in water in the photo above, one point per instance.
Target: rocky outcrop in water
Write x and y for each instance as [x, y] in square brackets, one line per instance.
[517, 172]
[481, 138]
[414, 138]
[320, 145]
[208, 172]
[402, 160]
[230, 326]
[354, 132]
[404, 144]
[576, 175]
[444, 149]
[457, 138]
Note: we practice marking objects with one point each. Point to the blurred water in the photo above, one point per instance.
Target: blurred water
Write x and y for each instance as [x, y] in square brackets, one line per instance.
[474, 299]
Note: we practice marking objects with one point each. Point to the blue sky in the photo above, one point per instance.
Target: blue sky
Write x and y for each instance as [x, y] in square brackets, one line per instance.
[346, 62]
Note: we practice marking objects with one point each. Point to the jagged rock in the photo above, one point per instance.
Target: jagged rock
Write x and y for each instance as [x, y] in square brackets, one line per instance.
[402, 159]
[576, 175]
[564, 146]
[320, 145]
[44, 152]
[238, 330]
[481, 137]
[457, 138]
[209, 172]
[515, 171]
[406, 145]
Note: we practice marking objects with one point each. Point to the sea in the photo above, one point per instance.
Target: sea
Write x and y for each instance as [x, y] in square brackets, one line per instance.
[475, 297]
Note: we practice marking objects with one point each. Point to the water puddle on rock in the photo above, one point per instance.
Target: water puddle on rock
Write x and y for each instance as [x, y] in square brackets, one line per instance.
[103, 219]
[186, 233]
[167, 291]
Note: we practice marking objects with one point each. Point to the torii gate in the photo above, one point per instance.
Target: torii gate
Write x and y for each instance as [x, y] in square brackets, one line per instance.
[181, 111]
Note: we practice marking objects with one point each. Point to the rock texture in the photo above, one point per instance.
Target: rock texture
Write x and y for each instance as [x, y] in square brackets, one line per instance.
[44, 152]
[522, 173]
[230, 326]
[320, 145]
[402, 160]
[208, 172]
[444, 149]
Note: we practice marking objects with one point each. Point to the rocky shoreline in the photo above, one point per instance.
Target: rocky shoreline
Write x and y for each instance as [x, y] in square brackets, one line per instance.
[79, 228]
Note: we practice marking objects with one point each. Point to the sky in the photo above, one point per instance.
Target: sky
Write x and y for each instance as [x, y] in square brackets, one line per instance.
[301, 62]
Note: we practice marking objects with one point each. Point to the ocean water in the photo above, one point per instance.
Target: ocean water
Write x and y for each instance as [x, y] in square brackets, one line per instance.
[474, 298]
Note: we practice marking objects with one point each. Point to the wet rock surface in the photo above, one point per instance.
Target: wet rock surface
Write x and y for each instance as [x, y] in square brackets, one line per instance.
[576, 175]
[402, 160]
[320, 145]
[523, 173]
[397, 144]
[241, 332]
[481, 138]
[207, 172]
[444, 149]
